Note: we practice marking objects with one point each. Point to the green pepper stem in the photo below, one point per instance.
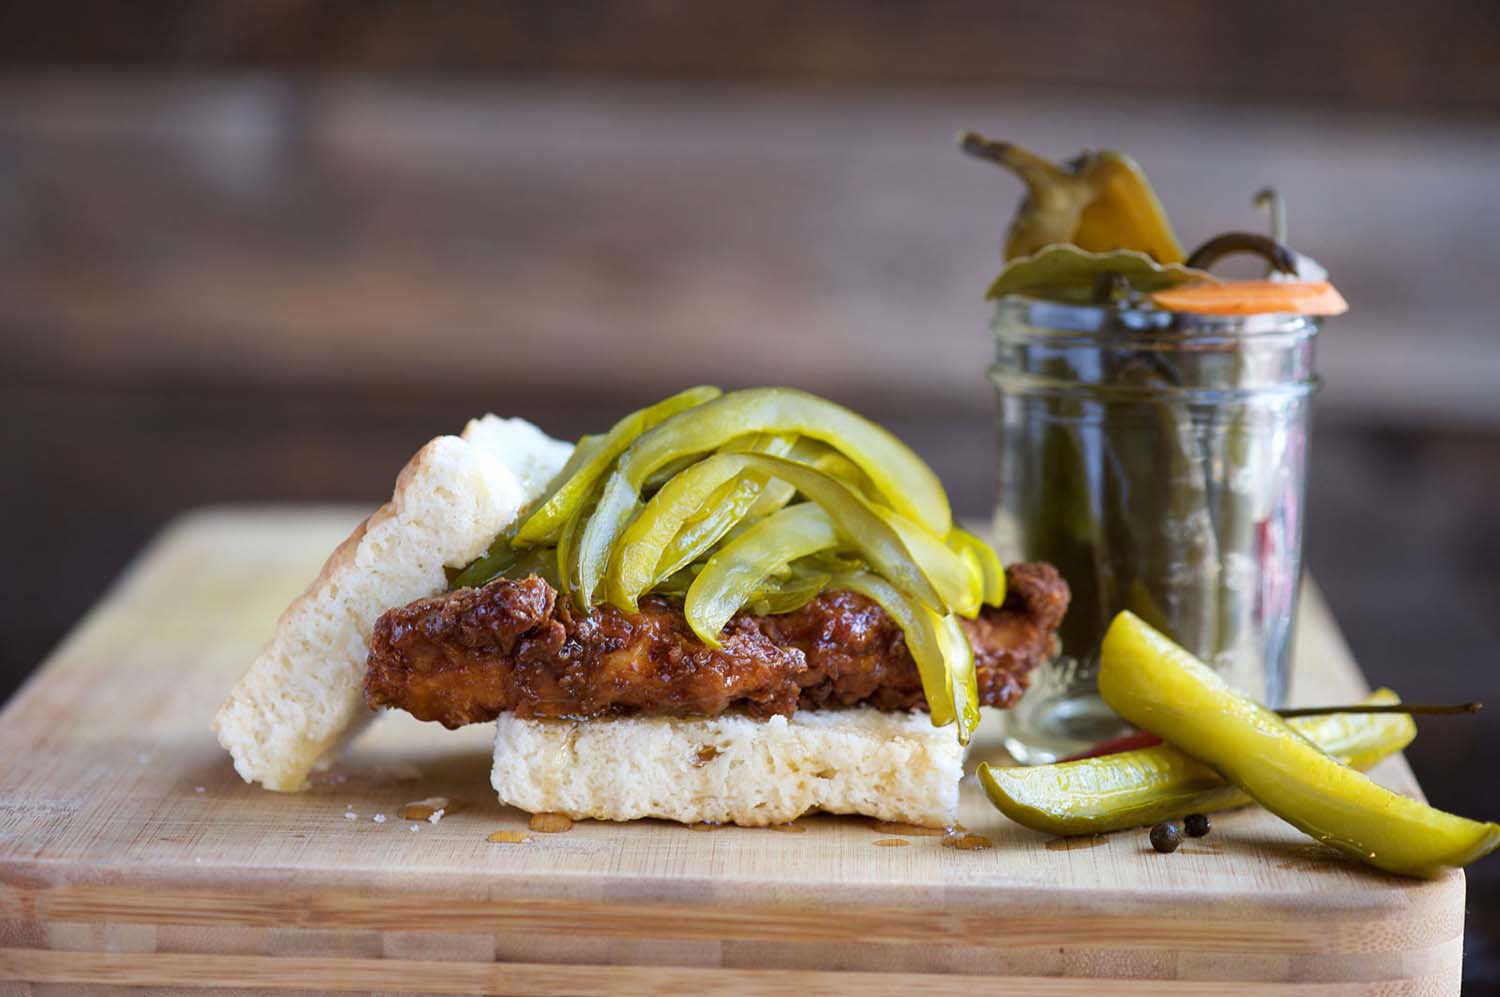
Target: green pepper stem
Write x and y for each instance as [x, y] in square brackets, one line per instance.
[1415, 708]
[1028, 165]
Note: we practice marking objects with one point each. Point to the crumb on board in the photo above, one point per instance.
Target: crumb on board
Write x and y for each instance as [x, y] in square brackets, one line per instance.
[350, 815]
[379, 818]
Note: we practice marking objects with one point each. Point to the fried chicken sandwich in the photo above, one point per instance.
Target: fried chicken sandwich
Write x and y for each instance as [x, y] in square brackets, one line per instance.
[729, 608]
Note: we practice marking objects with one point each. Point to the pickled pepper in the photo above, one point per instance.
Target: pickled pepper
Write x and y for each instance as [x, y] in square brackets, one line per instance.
[1100, 201]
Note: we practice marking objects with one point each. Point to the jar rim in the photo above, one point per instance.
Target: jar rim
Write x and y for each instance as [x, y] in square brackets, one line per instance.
[1053, 319]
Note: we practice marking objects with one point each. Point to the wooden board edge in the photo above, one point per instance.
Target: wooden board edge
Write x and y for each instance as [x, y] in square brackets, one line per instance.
[1428, 918]
[557, 980]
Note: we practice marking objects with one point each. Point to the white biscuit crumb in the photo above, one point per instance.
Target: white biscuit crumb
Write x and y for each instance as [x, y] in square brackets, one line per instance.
[435, 816]
[379, 818]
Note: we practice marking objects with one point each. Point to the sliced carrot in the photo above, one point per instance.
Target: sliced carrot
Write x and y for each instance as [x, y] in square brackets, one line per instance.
[1254, 297]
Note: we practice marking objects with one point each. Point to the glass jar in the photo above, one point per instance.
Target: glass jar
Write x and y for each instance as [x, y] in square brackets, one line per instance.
[1159, 460]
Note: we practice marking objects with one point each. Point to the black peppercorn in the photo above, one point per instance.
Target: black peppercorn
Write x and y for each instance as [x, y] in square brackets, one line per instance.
[1196, 825]
[1166, 836]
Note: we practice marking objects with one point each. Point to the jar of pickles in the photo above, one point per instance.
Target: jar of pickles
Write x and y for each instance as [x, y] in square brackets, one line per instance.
[1153, 423]
[1158, 459]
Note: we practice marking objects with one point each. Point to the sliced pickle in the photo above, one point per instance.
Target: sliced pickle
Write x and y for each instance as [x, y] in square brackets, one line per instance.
[961, 589]
[981, 556]
[717, 489]
[592, 458]
[938, 646]
[504, 559]
[903, 481]
[1159, 686]
[739, 569]
[789, 594]
[1141, 787]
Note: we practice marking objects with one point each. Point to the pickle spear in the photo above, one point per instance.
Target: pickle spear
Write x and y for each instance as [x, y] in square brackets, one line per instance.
[1160, 687]
[1141, 787]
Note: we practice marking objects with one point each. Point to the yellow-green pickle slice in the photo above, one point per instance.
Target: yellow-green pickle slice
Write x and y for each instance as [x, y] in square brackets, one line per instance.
[1147, 785]
[1160, 687]
[901, 478]
[983, 557]
[738, 569]
[937, 643]
[637, 563]
[904, 481]
[592, 458]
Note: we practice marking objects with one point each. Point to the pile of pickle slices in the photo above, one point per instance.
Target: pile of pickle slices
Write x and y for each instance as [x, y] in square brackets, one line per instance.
[693, 498]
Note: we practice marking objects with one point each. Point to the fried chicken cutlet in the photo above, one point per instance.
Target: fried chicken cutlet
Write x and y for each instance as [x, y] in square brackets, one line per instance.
[469, 655]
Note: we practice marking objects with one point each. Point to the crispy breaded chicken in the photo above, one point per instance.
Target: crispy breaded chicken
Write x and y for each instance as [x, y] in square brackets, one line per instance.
[470, 655]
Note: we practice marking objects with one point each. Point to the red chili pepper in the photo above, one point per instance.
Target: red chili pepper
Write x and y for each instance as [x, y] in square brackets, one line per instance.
[1125, 742]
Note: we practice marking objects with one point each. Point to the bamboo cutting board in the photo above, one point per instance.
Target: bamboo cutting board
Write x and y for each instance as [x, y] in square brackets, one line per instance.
[131, 855]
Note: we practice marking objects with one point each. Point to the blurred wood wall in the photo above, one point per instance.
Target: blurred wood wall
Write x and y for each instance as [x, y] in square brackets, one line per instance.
[1437, 55]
